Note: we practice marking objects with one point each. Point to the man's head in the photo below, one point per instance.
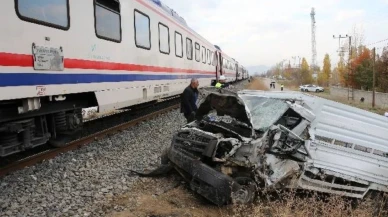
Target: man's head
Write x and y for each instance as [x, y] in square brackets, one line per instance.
[194, 83]
[222, 79]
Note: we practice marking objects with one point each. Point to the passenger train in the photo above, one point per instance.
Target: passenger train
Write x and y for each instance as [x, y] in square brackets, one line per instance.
[59, 56]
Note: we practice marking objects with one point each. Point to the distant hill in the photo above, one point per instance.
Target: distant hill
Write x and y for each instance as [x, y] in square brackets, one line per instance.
[257, 69]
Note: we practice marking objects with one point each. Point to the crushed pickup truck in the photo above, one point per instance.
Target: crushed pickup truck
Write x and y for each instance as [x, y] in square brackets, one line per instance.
[250, 141]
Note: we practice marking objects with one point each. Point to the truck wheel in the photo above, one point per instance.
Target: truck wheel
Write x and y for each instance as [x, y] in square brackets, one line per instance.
[247, 193]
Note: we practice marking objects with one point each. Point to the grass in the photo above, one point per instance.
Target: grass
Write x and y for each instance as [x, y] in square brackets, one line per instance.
[357, 104]
[293, 204]
[181, 201]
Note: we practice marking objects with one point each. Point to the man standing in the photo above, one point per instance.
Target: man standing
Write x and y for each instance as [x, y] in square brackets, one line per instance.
[189, 99]
[221, 82]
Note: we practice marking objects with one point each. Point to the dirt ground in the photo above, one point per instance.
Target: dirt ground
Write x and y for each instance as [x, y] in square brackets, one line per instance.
[258, 84]
[175, 200]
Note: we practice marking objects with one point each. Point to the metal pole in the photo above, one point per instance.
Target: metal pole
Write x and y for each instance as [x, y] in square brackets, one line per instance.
[349, 64]
[374, 77]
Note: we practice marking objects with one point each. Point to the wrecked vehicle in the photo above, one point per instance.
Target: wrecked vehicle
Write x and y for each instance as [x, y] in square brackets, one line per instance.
[253, 141]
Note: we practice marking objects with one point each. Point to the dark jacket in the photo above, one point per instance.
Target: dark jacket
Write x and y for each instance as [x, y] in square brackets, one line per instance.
[188, 100]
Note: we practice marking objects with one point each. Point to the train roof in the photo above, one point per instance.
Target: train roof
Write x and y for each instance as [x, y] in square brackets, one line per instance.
[170, 11]
[180, 19]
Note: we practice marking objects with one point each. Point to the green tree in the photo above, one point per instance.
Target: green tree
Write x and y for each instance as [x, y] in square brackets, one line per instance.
[363, 74]
[382, 71]
[342, 73]
[335, 78]
[305, 72]
[324, 76]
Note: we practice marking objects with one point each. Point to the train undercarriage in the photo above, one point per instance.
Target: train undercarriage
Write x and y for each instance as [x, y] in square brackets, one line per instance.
[28, 123]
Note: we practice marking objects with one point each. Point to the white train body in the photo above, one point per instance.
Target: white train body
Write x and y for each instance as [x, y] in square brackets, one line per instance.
[58, 56]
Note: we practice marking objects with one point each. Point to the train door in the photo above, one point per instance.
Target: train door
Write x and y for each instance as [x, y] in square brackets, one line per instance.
[219, 69]
[220, 64]
[237, 74]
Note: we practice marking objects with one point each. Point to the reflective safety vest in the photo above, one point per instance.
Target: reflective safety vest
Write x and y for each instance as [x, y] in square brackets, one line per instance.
[218, 85]
[282, 85]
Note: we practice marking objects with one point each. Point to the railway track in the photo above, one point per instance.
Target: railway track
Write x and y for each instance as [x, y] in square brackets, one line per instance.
[102, 127]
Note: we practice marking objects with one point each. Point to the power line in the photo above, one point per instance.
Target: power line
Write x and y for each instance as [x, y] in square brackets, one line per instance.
[377, 42]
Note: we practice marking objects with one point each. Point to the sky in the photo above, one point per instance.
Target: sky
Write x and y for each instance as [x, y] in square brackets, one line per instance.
[263, 32]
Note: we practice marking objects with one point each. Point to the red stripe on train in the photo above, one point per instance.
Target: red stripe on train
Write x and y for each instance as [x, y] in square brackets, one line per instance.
[23, 60]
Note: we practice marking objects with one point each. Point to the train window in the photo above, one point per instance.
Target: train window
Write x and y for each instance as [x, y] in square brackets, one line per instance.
[197, 52]
[189, 49]
[142, 30]
[208, 56]
[52, 13]
[164, 39]
[178, 45]
[107, 20]
[203, 55]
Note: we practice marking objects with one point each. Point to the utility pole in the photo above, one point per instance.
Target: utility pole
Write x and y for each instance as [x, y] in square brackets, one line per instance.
[374, 77]
[350, 68]
[339, 39]
[313, 44]
[282, 71]
[341, 51]
[294, 58]
[299, 62]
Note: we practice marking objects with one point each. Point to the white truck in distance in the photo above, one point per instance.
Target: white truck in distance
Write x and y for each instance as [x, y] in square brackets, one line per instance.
[311, 88]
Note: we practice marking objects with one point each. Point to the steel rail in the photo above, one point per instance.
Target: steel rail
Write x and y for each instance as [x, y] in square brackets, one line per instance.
[50, 154]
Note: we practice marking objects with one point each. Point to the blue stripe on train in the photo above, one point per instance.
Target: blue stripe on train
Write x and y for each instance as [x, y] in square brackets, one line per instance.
[30, 79]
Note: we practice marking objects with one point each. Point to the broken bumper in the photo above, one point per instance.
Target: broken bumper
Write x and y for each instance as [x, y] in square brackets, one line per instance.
[211, 184]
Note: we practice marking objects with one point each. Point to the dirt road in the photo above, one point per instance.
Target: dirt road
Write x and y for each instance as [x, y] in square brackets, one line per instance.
[267, 82]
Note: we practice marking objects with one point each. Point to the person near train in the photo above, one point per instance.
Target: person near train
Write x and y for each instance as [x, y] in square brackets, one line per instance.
[282, 87]
[222, 82]
[189, 99]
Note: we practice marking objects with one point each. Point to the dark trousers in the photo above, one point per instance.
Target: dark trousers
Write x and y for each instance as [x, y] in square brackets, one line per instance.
[190, 117]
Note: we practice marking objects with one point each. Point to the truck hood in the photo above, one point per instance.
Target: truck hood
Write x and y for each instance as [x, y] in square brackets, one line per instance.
[258, 112]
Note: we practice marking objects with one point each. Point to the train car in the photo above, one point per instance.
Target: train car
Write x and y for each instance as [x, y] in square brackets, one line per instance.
[59, 56]
[227, 66]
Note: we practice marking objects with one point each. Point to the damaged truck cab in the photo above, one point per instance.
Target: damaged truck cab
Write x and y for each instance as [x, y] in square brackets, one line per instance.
[254, 141]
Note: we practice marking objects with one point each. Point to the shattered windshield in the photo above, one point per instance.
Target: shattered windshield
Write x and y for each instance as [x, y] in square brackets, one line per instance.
[264, 111]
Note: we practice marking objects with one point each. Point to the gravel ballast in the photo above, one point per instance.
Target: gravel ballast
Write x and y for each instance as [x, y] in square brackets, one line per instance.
[77, 183]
